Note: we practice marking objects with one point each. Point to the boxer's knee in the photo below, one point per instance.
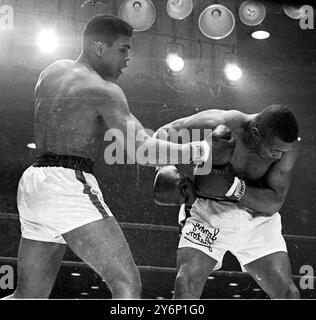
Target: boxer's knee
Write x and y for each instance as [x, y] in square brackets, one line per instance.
[189, 283]
[127, 286]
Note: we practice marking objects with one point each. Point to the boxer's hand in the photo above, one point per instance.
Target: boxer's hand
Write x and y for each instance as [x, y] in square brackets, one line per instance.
[201, 150]
[221, 184]
[173, 188]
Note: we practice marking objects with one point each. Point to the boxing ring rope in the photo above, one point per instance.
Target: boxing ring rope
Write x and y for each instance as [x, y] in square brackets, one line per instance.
[153, 227]
[228, 275]
[218, 273]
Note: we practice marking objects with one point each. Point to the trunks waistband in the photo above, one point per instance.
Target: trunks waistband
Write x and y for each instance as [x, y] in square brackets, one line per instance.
[65, 161]
[204, 197]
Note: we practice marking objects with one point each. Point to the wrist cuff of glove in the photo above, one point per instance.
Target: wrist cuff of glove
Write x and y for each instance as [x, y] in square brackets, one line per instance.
[200, 151]
[237, 190]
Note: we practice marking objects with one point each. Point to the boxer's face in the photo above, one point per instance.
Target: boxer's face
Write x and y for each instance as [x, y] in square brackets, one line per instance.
[114, 58]
[272, 148]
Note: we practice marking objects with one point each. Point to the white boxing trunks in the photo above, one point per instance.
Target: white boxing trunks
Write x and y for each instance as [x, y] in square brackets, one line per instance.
[54, 200]
[215, 227]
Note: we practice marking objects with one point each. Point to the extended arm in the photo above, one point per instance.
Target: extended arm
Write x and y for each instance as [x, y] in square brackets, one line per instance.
[138, 144]
[204, 120]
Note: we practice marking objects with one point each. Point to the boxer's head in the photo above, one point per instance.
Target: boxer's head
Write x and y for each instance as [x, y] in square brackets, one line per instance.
[106, 41]
[273, 131]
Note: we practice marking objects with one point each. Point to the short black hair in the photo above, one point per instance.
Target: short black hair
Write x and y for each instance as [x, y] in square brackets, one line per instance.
[277, 121]
[107, 28]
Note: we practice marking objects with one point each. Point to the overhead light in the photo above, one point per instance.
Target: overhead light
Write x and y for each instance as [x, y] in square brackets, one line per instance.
[140, 14]
[179, 9]
[293, 12]
[175, 63]
[252, 13]
[232, 284]
[75, 274]
[260, 34]
[175, 56]
[232, 72]
[216, 22]
[31, 145]
[47, 41]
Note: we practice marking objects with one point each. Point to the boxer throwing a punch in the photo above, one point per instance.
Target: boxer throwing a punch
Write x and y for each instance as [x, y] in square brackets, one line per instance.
[59, 199]
[236, 206]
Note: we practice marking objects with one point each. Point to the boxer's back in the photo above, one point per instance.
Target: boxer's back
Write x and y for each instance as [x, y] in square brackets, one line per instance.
[65, 122]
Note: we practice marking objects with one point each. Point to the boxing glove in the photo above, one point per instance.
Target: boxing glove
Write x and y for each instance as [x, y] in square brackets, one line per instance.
[220, 184]
[223, 145]
[173, 188]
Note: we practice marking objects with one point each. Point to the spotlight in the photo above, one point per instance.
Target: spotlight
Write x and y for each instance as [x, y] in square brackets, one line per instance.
[252, 13]
[175, 56]
[179, 9]
[232, 284]
[47, 41]
[75, 274]
[293, 12]
[216, 22]
[232, 72]
[175, 63]
[31, 145]
[140, 14]
[260, 34]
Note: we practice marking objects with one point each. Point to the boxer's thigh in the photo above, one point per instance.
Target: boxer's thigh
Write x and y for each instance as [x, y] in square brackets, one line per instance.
[273, 274]
[102, 245]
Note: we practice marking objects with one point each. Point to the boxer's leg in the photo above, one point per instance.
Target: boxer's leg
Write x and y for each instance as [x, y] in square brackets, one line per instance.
[193, 269]
[274, 275]
[102, 245]
[38, 266]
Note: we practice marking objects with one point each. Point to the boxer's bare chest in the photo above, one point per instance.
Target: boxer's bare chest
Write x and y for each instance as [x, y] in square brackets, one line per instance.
[247, 164]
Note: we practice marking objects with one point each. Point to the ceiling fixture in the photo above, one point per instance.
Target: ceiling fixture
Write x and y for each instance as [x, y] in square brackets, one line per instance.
[260, 34]
[216, 22]
[140, 14]
[252, 13]
[179, 9]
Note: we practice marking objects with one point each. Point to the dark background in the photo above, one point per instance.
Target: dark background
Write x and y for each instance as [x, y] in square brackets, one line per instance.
[280, 69]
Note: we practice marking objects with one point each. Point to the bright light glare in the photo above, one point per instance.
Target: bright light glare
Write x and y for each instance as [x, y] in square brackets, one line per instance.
[175, 63]
[47, 41]
[31, 145]
[260, 34]
[232, 72]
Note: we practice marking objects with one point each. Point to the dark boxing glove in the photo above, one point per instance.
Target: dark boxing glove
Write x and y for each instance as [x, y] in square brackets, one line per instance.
[173, 188]
[220, 184]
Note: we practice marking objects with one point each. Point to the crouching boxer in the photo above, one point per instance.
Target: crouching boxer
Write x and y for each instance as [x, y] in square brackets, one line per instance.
[237, 204]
